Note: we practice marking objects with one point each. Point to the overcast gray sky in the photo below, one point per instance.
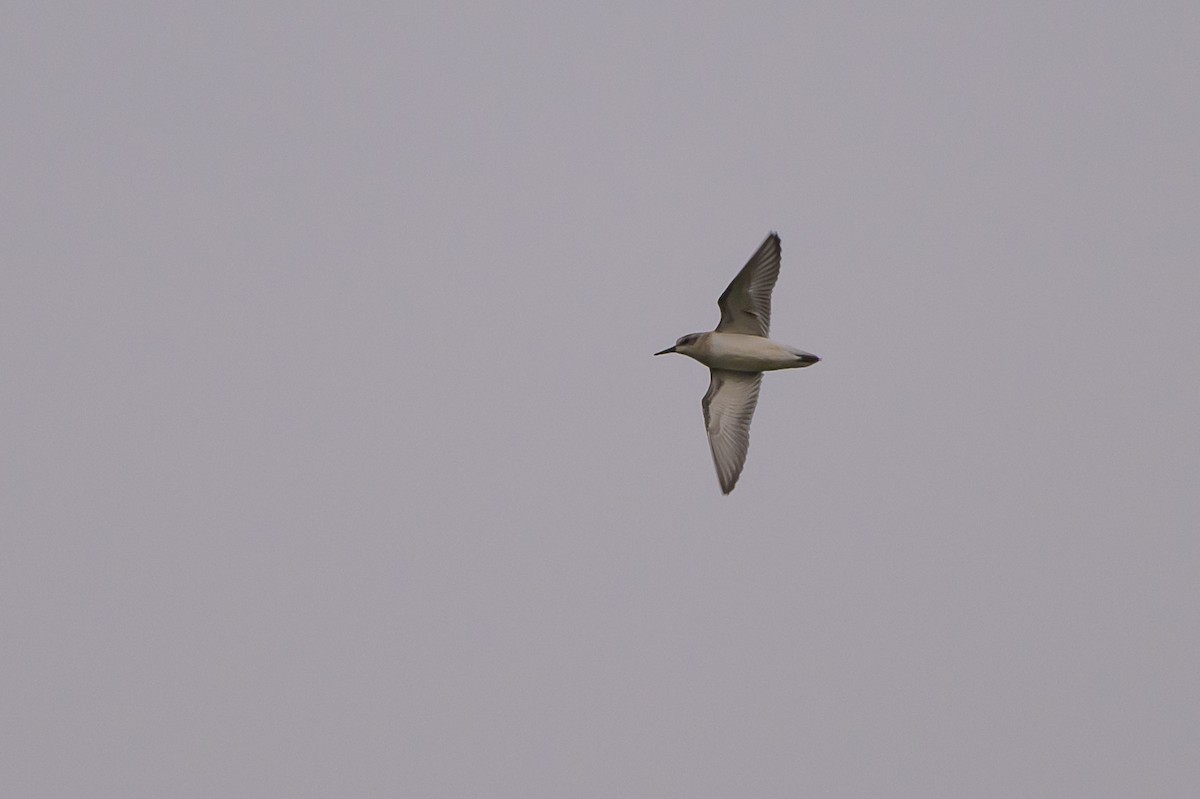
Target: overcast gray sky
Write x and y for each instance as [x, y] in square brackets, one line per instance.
[336, 463]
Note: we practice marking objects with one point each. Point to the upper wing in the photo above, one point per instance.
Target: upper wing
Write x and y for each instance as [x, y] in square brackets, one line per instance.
[728, 408]
[746, 304]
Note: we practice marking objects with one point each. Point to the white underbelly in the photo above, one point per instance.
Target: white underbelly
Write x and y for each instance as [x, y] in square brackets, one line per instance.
[749, 353]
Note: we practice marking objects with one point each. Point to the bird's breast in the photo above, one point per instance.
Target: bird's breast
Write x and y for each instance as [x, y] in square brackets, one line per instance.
[745, 353]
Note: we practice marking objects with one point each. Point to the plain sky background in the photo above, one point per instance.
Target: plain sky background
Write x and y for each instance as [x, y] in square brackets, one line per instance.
[336, 463]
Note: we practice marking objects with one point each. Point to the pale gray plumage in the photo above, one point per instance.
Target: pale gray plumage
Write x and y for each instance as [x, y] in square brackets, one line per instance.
[746, 303]
[737, 352]
[728, 407]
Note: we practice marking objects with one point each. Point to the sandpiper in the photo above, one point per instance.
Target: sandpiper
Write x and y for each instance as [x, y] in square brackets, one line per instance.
[737, 353]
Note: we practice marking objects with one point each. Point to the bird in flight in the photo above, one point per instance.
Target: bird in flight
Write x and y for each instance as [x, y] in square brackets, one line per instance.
[737, 353]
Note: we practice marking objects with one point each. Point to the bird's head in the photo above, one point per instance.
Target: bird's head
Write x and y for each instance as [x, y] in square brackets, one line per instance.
[685, 345]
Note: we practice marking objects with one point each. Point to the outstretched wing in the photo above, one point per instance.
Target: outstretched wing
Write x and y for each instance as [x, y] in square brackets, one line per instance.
[728, 407]
[746, 304]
